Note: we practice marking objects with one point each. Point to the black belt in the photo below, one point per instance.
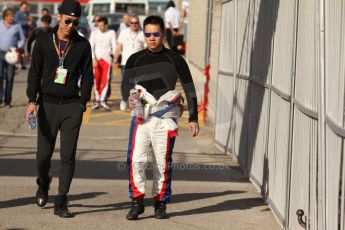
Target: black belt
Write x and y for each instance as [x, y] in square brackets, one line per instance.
[59, 100]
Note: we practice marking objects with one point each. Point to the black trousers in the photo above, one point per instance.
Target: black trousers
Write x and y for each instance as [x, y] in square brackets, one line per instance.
[170, 39]
[51, 118]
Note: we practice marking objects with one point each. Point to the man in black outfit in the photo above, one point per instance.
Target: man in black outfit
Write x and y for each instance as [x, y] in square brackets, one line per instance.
[46, 20]
[156, 70]
[60, 58]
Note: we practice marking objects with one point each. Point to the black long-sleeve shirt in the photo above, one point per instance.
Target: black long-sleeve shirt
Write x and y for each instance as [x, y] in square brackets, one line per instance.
[158, 73]
[45, 61]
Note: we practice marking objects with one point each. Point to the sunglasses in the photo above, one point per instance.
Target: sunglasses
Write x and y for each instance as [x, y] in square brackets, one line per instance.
[69, 21]
[134, 23]
[155, 34]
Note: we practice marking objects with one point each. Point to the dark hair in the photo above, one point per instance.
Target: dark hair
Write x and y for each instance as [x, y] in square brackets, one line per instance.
[46, 19]
[45, 9]
[155, 20]
[23, 3]
[6, 12]
[170, 4]
[103, 19]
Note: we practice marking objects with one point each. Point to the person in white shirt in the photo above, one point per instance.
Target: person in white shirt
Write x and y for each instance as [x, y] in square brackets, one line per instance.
[172, 19]
[93, 24]
[103, 45]
[125, 23]
[130, 41]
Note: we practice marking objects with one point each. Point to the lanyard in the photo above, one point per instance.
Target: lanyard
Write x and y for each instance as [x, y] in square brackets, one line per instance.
[133, 39]
[62, 54]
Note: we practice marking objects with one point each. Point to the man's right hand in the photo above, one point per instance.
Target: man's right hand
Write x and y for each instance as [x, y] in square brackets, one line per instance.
[32, 108]
[131, 102]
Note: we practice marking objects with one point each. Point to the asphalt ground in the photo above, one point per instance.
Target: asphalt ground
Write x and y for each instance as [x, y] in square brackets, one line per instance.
[209, 189]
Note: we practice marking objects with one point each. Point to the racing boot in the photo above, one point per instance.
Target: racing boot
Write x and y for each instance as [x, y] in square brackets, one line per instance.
[60, 207]
[160, 210]
[137, 208]
[42, 192]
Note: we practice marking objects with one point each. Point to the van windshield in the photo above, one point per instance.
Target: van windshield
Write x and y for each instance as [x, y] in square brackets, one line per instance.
[100, 8]
[135, 8]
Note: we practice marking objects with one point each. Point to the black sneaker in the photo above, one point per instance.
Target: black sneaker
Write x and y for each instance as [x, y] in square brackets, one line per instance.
[160, 208]
[42, 192]
[60, 207]
[137, 208]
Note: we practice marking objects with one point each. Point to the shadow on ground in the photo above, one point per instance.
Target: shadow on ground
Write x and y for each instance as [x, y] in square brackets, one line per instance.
[31, 200]
[227, 205]
[118, 170]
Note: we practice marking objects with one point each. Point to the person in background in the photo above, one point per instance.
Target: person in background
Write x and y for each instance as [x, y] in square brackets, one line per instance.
[44, 12]
[22, 17]
[93, 25]
[103, 45]
[129, 42]
[59, 59]
[44, 28]
[11, 35]
[125, 23]
[172, 23]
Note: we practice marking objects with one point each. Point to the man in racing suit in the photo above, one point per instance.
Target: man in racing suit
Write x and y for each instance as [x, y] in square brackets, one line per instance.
[153, 73]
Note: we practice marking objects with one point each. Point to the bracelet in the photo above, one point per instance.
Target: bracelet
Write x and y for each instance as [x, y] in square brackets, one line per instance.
[32, 103]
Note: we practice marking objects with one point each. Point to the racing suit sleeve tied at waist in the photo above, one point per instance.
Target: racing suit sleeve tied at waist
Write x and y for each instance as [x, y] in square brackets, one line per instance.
[168, 106]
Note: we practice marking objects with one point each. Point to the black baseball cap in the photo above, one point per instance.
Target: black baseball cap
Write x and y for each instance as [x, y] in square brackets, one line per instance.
[70, 7]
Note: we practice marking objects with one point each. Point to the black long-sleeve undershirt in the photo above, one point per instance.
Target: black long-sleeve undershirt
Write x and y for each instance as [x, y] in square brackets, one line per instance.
[158, 73]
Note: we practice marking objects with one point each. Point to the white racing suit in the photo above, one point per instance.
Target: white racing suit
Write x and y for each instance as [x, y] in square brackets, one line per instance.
[157, 129]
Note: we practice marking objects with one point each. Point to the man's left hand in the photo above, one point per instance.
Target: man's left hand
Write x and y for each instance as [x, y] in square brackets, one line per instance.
[193, 127]
[131, 102]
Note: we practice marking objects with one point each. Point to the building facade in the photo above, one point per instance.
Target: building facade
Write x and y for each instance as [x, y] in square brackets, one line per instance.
[277, 99]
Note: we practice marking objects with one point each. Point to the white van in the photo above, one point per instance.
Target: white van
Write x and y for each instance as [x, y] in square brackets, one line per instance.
[94, 7]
